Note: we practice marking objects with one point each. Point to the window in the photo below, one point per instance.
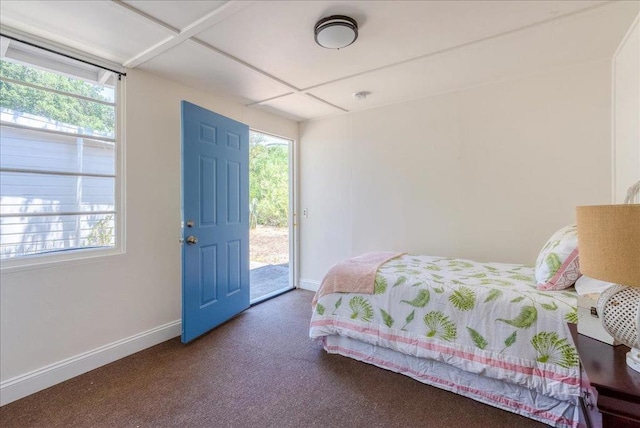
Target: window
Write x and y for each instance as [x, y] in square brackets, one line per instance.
[58, 154]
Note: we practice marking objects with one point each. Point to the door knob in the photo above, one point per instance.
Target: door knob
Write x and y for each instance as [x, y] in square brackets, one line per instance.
[191, 240]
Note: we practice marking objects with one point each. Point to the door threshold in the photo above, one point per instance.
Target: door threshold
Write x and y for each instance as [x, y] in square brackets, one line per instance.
[270, 295]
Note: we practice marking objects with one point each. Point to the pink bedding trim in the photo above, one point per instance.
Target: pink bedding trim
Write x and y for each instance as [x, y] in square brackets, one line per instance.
[544, 374]
[355, 275]
[552, 283]
[490, 397]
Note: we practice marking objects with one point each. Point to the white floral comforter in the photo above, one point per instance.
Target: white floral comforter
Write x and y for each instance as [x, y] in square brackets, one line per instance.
[486, 318]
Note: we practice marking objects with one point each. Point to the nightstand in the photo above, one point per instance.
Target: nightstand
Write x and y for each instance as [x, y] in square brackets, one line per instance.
[610, 394]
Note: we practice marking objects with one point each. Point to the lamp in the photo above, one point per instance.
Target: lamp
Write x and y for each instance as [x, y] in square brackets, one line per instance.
[609, 245]
[336, 32]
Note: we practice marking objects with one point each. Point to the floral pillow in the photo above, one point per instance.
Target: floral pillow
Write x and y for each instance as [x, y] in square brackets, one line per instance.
[558, 266]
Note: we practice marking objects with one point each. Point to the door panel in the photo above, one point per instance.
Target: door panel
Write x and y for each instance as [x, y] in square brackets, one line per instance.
[215, 193]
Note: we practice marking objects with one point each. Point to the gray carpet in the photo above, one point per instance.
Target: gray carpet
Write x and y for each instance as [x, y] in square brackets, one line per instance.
[267, 279]
[258, 370]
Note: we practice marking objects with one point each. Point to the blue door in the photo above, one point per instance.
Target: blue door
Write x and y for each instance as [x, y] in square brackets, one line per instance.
[215, 214]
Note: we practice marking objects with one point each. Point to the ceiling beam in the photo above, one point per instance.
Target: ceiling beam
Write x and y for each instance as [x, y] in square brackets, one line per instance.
[146, 16]
[188, 33]
[212, 18]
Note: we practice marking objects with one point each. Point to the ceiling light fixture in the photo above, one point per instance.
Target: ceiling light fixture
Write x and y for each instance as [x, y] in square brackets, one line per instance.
[336, 32]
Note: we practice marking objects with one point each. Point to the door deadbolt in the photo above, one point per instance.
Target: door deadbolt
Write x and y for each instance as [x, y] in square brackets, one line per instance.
[191, 240]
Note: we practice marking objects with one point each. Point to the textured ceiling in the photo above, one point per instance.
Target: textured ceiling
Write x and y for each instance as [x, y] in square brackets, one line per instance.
[263, 53]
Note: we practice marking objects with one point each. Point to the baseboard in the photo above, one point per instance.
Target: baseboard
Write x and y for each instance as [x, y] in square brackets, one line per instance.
[37, 380]
[309, 284]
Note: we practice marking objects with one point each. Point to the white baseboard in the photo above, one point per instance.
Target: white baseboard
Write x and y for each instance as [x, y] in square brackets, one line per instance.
[20, 386]
[309, 284]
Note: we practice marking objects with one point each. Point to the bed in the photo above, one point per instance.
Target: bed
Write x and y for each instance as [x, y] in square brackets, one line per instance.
[482, 330]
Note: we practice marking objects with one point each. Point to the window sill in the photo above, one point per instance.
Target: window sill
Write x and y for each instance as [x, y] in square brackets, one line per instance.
[48, 261]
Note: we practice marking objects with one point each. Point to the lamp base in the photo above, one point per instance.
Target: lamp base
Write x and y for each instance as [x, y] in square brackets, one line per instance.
[633, 359]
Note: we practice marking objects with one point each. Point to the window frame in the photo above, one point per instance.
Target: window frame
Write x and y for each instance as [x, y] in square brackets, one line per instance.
[93, 254]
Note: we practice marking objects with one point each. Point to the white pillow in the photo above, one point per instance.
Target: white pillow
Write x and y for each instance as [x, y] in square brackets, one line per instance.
[558, 265]
[588, 285]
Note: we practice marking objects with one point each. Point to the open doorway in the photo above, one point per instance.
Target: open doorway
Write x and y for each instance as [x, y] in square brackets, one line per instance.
[270, 233]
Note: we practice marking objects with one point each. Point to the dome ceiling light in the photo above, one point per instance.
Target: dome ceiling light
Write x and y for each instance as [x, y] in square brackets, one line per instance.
[336, 31]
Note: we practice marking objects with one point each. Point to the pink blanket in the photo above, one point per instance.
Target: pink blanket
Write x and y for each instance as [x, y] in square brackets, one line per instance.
[356, 275]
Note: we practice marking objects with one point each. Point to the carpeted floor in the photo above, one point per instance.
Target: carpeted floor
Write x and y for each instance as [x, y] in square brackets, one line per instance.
[258, 370]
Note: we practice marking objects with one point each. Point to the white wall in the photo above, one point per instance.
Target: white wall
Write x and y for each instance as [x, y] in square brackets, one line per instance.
[49, 315]
[626, 113]
[486, 173]
[533, 149]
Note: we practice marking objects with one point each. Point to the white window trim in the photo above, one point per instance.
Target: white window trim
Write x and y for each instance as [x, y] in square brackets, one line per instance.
[87, 255]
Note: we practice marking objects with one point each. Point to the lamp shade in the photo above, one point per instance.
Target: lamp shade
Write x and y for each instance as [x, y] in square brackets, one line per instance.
[609, 242]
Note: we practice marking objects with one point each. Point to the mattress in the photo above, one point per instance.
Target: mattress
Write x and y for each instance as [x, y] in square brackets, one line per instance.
[486, 320]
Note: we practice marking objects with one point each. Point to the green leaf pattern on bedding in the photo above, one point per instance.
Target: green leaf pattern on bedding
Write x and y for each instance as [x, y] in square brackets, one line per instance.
[379, 285]
[439, 325]
[479, 341]
[401, 280]
[496, 305]
[553, 262]
[388, 321]
[493, 294]
[360, 309]
[572, 317]
[525, 319]
[420, 301]
[409, 319]
[337, 305]
[552, 349]
[511, 339]
[463, 299]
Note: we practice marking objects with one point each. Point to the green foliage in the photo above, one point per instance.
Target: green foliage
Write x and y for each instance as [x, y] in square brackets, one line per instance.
[62, 108]
[320, 309]
[525, 319]
[268, 182]
[101, 233]
[360, 309]
[549, 306]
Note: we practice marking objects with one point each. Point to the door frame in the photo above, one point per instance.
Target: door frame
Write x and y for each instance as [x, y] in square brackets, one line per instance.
[294, 218]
